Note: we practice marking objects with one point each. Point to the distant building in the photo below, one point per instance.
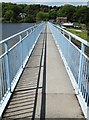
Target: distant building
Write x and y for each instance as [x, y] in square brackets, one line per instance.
[71, 25]
[88, 3]
[61, 20]
[22, 15]
[68, 25]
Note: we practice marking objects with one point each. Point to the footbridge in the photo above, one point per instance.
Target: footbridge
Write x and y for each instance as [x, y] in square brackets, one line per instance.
[44, 73]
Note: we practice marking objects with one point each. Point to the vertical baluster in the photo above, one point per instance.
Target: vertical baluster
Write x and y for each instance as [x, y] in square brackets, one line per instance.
[88, 113]
[21, 50]
[27, 33]
[63, 32]
[87, 77]
[27, 43]
[1, 80]
[7, 66]
[32, 29]
[81, 65]
[70, 37]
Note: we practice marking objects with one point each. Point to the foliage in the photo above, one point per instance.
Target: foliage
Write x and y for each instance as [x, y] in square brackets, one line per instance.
[42, 16]
[52, 14]
[67, 11]
[31, 13]
[0, 12]
[87, 22]
[13, 12]
[80, 14]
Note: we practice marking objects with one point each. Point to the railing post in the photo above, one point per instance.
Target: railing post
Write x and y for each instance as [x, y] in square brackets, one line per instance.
[81, 65]
[32, 29]
[69, 37]
[87, 113]
[28, 43]
[1, 87]
[27, 33]
[63, 32]
[7, 66]
[21, 50]
[88, 91]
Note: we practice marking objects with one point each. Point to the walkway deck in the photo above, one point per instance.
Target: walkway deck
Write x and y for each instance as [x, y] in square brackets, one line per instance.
[44, 89]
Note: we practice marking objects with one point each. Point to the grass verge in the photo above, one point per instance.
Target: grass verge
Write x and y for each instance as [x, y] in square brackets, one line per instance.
[81, 33]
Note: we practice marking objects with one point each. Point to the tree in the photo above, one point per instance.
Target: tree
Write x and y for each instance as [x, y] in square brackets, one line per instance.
[30, 18]
[13, 13]
[10, 12]
[9, 15]
[87, 21]
[41, 16]
[67, 11]
[0, 12]
[80, 14]
[52, 14]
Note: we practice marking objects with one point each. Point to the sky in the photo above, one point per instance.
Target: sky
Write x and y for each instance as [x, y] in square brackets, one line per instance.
[49, 2]
[43, 1]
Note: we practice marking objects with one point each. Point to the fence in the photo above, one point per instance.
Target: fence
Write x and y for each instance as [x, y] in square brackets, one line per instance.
[15, 54]
[75, 54]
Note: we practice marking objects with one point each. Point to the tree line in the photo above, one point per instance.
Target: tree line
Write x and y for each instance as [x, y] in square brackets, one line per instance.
[13, 13]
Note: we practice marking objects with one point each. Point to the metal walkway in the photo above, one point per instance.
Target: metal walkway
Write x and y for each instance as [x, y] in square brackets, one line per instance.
[44, 89]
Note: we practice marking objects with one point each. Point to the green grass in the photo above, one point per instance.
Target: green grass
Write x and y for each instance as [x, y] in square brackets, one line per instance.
[82, 34]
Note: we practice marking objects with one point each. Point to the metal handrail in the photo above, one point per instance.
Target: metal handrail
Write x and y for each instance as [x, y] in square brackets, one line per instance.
[19, 33]
[76, 62]
[74, 36]
[14, 59]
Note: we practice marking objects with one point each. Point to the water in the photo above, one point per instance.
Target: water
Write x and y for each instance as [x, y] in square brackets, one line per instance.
[8, 29]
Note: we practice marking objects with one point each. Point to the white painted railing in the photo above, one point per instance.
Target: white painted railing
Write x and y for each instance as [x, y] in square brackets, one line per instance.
[75, 54]
[15, 54]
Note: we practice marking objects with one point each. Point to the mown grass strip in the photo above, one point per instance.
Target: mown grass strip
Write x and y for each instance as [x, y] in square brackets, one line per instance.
[82, 34]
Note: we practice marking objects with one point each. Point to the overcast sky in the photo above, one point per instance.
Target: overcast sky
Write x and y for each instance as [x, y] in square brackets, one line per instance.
[44, 0]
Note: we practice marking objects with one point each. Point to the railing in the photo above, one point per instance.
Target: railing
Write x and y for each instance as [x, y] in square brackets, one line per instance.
[75, 54]
[15, 54]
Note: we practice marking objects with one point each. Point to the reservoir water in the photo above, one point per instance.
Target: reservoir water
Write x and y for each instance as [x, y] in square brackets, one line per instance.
[8, 29]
